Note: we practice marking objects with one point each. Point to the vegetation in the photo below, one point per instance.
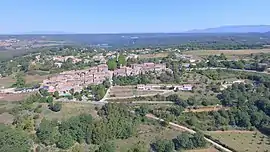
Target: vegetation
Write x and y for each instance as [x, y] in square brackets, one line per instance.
[13, 140]
[184, 141]
[132, 80]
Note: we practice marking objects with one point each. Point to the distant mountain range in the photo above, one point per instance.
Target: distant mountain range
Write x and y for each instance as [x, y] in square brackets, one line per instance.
[234, 29]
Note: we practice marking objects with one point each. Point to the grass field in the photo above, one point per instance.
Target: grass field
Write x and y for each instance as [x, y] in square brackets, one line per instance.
[157, 55]
[68, 110]
[5, 117]
[8, 81]
[203, 150]
[146, 135]
[226, 52]
[243, 141]
[13, 97]
[127, 91]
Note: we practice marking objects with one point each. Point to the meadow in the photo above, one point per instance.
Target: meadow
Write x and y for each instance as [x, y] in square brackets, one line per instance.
[248, 141]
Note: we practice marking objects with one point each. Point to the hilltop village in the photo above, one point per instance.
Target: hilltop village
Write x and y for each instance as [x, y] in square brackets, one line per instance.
[77, 79]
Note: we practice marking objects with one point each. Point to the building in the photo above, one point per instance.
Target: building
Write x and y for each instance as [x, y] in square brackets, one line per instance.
[76, 79]
[185, 87]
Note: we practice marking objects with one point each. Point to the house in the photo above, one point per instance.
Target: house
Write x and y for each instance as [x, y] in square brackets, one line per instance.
[102, 68]
[58, 64]
[185, 87]
[144, 87]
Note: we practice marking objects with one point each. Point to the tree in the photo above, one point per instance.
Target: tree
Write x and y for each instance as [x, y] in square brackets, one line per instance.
[163, 146]
[56, 94]
[192, 121]
[56, 106]
[107, 147]
[20, 81]
[49, 99]
[138, 147]
[65, 141]
[71, 91]
[182, 141]
[79, 127]
[142, 110]
[112, 65]
[44, 92]
[13, 140]
[198, 140]
[122, 60]
[189, 141]
[47, 132]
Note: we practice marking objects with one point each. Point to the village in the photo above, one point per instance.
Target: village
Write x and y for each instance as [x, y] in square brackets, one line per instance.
[78, 79]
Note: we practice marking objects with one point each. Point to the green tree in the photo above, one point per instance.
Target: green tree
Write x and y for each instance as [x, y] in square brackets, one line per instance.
[56, 94]
[112, 65]
[122, 60]
[20, 81]
[47, 132]
[49, 99]
[65, 140]
[107, 147]
[13, 140]
[163, 146]
[56, 106]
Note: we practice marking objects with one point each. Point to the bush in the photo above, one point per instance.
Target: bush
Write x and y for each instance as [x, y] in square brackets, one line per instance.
[55, 107]
[36, 116]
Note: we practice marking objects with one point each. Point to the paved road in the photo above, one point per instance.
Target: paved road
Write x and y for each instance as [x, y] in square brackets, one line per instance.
[191, 131]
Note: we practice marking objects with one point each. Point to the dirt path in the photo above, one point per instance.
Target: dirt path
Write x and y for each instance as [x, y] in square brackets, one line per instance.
[232, 131]
[190, 131]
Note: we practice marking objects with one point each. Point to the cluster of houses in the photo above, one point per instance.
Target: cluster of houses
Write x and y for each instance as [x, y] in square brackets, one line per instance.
[77, 79]
[137, 69]
[65, 58]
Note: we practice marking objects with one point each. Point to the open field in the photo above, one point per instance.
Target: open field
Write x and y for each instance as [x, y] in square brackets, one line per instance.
[157, 55]
[68, 110]
[206, 109]
[243, 141]
[8, 81]
[13, 97]
[5, 107]
[226, 52]
[146, 135]
[203, 150]
[6, 118]
[130, 91]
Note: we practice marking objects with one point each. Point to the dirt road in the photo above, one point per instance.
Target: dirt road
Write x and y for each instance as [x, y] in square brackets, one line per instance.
[191, 131]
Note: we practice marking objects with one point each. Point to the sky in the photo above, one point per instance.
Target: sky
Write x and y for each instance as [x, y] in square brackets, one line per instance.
[128, 16]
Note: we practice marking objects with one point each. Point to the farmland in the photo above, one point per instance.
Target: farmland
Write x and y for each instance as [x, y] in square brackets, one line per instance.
[157, 55]
[243, 140]
[13, 97]
[8, 81]
[129, 91]
[226, 52]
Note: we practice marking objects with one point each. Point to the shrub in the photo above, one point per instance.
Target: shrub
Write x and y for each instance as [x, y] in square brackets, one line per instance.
[55, 107]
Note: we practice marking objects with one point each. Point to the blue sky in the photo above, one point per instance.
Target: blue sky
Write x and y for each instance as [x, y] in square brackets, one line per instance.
[123, 16]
